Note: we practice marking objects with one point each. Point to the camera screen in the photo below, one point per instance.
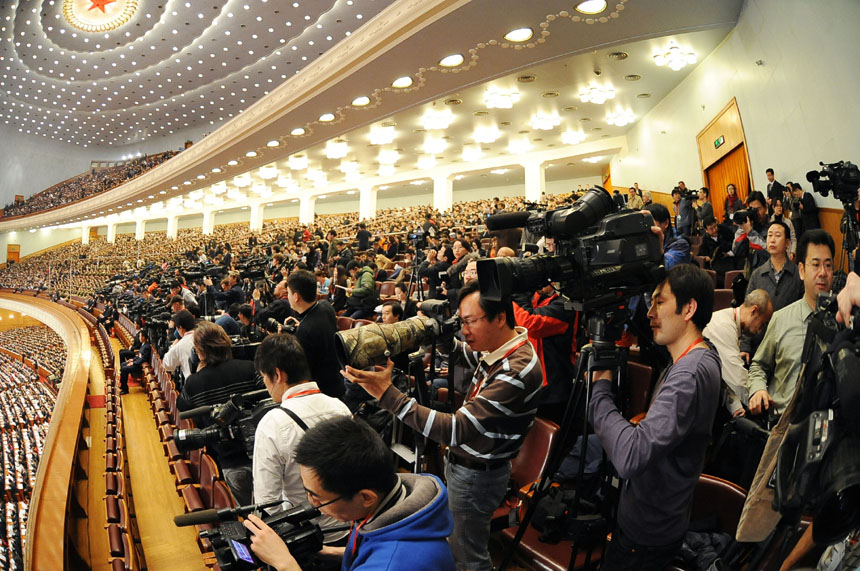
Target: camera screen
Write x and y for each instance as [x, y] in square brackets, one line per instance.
[241, 551]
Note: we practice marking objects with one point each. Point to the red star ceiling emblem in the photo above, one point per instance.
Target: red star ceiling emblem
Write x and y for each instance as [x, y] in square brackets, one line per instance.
[100, 4]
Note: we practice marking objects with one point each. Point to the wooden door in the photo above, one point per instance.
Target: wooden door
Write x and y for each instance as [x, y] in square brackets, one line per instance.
[731, 169]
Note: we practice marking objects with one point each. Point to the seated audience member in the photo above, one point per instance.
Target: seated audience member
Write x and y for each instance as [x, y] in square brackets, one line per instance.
[661, 458]
[179, 354]
[400, 521]
[281, 361]
[779, 277]
[410, 307]
[135, 364]
[338, 288]
[362, 298]
[218, 377]
[716, 247]
[775, 368]
[676, 249]
[724, 331]
[227, 321]
[634, 201]
[781, 214]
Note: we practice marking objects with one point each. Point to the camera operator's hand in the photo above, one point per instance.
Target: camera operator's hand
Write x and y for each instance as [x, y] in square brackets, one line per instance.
[761, 402]
[374, 382]
[746, 357]
[207, 281]
[848, 298]
[291, 319]
[268, 546]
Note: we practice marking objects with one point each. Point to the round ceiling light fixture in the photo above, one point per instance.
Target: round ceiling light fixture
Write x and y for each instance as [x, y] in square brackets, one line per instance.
[297, 132]
[452, 60]
[251, 154]
[273, 143]
[361, 101]
[591, 7]
[98, 16]
[519, 35]
[327, 117]
[402, 82]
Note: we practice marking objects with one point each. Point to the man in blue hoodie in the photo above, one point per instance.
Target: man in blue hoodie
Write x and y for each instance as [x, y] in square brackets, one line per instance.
[399, 521]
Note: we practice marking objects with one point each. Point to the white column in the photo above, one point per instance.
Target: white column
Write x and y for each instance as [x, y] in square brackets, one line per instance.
[208, 222]
[535, 180]
[256, 216]
[306, 209]
[111, 233]
[85, 235]
[172, 227]
[443, 192]
[139, 229]
[366, 202]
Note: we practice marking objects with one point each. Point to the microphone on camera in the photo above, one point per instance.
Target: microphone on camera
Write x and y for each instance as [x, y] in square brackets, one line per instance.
[507, 220]
[224, 514]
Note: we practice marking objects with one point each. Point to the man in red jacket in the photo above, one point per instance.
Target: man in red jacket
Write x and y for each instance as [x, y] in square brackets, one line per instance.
[552, 331]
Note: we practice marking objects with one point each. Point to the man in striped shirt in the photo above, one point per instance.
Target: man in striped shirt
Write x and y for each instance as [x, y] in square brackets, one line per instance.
[487, 431]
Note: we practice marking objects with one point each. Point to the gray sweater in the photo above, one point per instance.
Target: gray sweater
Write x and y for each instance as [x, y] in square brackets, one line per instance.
[661, 458]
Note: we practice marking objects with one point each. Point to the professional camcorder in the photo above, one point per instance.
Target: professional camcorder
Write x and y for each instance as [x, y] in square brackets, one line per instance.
[231, 541]
[818, 464]
[842, 178]
[601, 254]
[364, 346]
[235, 420]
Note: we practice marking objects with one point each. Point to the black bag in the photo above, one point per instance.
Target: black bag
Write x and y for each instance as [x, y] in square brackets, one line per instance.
[555, 519]
[737, 454]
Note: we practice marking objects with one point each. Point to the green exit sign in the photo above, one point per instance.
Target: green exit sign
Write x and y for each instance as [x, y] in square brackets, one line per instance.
[719, 141]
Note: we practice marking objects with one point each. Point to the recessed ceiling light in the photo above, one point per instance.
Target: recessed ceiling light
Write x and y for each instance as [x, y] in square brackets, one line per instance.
[201, 176]
[526, 79]
[591, 6]
[633, 77]
[519, 35]
[327, 117]
[273, 143]
[361, 101]
[216, 170]
[643, 95]
[297, 132]
[251, 154]
[549, 94]
[618, 55]
[232, 163]
[453, 101]
[402, 82]
[452, 60]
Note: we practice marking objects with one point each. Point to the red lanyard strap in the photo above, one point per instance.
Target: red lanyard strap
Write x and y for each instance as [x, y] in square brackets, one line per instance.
[688, 349]
[303, 393]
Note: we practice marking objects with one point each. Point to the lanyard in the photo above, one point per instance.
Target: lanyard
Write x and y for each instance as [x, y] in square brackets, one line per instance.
[355, 536]
[688, 349]
[303, 393]
[505, 356]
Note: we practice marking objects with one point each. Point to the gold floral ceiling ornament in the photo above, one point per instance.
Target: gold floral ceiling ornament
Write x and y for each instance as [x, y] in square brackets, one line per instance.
[98, 16]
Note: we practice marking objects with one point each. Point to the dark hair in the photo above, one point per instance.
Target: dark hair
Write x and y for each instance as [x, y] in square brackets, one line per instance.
[784, 228]
[212, 344]
[464, 242]
[658, 212]
[341, 275]
[768, 171]
[183, 319]
[490, 308]
[233, 310]
[396, 309]
[303, 283]
[818, 237]
[402, 286]
[176, 299]
[347, 456]
[708, 220]
[246, 310]
[282, 351]
[757, 195]
[676, 190]
[144, 333]
[352, 265]
[706, 191]
[688, 282]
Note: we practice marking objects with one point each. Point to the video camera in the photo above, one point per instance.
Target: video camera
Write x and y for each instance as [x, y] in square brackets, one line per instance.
[235, 420]
[842, 178]
[364, 346]
[601, 254]
[818, 463]
[231, 541]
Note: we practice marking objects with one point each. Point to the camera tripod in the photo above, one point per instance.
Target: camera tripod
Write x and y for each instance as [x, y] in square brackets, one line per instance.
[605, 326]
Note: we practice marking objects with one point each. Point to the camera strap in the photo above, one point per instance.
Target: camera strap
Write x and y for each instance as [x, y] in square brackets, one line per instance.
[295, 417]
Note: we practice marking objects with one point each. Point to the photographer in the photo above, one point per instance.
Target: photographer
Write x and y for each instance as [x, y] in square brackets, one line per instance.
[683, 207]
[661, 457]
[282, 364]
[363, 297]
[231, 293]
[249, 329]
[179, 354]
[218, 377]
[277, 311]
[316, 325]
[400, 521]
[487, 431]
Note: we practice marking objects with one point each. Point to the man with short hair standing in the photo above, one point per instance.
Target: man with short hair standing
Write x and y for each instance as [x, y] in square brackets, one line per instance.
[661, 458]
[486, 432]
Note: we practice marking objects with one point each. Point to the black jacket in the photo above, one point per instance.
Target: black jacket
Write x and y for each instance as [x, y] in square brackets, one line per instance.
[315, 333]
[145, 355]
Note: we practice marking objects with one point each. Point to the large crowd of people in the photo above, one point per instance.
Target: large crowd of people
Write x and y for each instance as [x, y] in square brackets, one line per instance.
[512, 360]
[86, 185]
[26, 405]
[39, 344]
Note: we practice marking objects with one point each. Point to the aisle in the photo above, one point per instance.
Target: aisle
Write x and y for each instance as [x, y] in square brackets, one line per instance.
[165, 546]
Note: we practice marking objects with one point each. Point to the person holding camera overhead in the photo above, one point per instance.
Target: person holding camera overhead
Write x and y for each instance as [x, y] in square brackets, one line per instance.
[487, 431]
[399, 521]
[218, 377]
[281, 362]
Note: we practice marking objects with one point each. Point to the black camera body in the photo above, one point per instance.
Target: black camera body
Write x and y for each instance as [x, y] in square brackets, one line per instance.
[601, 254]
[842, 179]
[235, 420]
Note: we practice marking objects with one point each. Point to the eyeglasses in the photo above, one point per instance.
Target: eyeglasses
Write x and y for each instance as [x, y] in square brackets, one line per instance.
[315, 501]
[472, 321]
